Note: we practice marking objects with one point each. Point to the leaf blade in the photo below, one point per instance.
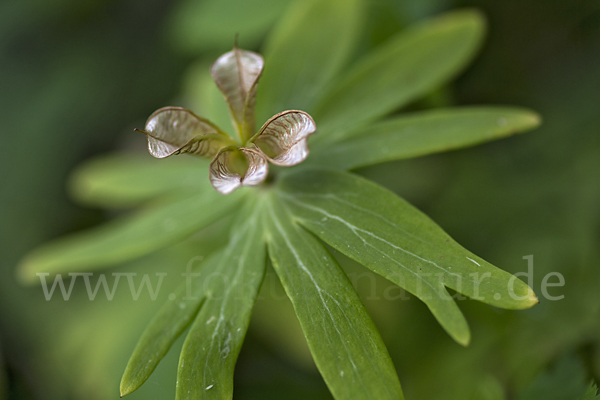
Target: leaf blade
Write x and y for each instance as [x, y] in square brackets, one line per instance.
[343, 340]
[129, 237]
[166, 326]
[125, 180]
[591, 393]
[209, 353]
[408, 66]
[297, 59]
[381, 231]
[424, 133]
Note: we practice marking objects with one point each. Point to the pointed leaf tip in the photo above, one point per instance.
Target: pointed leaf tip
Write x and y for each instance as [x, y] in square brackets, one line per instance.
[532, 299]
[534, 119]
[124, 390]
[387, 235]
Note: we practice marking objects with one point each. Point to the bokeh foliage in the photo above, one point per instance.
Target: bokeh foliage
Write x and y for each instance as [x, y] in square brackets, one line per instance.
[75, 79]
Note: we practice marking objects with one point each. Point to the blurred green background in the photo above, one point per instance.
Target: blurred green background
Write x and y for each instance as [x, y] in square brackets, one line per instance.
[76, 77]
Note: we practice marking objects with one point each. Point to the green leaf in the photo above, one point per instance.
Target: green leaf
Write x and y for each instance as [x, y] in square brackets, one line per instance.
[342, 338]
[591, 393]
[566, 379]
[197, 26]
[202, 94]
[305, 50]
[208, 357]
[129, 237]
[386, 234]
[164, 329]
[488, 388]
[408, 66]
[424, 133]
[125, 180]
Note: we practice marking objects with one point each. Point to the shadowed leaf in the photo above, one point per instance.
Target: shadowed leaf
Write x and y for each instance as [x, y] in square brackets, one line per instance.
[566, 379]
